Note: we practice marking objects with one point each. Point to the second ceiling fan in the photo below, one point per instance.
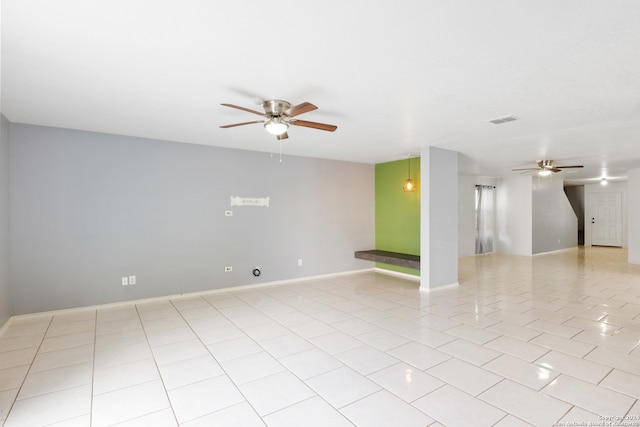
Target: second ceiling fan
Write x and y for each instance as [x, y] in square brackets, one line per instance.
[546, 167]
[279, 115]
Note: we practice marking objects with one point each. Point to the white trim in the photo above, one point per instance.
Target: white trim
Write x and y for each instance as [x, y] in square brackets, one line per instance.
[440, 288]
[186, 295]
[397, 274]
[556, 251]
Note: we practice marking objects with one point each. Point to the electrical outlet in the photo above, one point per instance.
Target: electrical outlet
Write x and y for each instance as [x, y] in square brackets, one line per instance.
[228, 269]
[132, 280]
[300, 262]
[125, 281]
[228, 213]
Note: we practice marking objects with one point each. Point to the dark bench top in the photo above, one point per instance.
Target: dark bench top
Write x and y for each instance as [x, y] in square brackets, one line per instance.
[392, 258]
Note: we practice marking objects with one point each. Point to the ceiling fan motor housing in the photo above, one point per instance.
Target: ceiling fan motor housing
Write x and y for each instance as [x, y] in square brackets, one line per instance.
[275, 107]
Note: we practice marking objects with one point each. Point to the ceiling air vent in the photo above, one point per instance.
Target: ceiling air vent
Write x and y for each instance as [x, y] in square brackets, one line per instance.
[503, 119]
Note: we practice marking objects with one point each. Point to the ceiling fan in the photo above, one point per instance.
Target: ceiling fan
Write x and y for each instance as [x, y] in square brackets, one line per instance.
[546, 167]
[279, 115]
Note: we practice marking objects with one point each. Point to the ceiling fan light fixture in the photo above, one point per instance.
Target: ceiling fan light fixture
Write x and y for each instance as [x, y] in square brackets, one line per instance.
[544, 172]
[603, 181]
[276, 126]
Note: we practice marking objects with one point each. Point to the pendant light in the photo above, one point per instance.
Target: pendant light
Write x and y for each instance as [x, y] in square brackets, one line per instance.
[409, 184]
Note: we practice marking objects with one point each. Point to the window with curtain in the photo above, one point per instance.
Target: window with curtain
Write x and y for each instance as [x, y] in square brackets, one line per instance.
[485, 218]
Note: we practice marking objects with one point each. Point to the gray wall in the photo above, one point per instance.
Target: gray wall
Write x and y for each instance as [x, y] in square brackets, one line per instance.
[89, 208]
[555, 224]
[5, 294]
[514, 215]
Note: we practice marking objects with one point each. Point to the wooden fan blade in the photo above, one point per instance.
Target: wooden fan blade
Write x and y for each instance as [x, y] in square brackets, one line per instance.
[555, 170]
[282, 136]
[305, 107]
[244, 109]
[567, 167]
[314, 125]
[241, 124]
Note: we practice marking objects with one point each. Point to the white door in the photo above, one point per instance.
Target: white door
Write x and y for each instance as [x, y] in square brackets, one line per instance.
[606, 219]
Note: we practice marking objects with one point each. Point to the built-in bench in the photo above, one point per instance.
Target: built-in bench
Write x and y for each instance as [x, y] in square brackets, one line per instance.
[391, 258]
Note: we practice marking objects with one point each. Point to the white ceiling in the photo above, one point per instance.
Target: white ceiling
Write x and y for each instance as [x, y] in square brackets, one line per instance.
[392, 75]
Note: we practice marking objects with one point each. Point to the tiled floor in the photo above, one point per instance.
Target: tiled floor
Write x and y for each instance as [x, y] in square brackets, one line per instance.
[522, 341]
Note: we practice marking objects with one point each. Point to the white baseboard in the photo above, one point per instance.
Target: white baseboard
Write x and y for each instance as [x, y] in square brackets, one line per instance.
[440, 288]
[185, 295]
[397, 274]
[556, 251]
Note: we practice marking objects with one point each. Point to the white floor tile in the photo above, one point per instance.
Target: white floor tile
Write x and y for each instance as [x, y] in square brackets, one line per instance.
[61, 342]
[128, 403]
[189, 371]
[615, 359]
[239, 415]
[60, 358]
[418, 355]
[66, 377]
[473, 334]
[176, 352]
[125, 375]
[429, 337]
[114, 356]
[270, 394]
[623, 382]
[522, 372]
[525, 403]
[310, 363]
[286, 345]
[564, 345]
[405, 381]
[579, 416]
[599, 400]
[579, 368]
[313, 412]
[383, 339]
[335, 342]
[204, 397]
[170, 336]
[50, 408]
[7, 397]
[342, 386]
[11, 378]
[469, 352]
[162, 418]
[366, 360]
[13, 358]
[383, 409]
[233, 348]
[515, 347]
[452, 407]
[251, 367]
[464, 376]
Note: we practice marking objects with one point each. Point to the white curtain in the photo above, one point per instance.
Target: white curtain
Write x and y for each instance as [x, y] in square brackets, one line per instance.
[485, 218]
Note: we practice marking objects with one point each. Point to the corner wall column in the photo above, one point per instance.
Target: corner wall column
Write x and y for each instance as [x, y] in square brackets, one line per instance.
[438, 218]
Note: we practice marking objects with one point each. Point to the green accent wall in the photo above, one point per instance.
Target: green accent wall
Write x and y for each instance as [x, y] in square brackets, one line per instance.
[397, 212]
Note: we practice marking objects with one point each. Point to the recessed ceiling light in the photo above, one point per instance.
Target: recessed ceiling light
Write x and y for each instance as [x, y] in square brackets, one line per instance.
[503, 119]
